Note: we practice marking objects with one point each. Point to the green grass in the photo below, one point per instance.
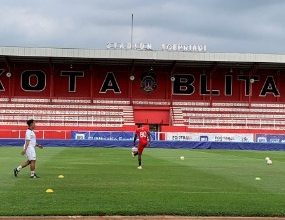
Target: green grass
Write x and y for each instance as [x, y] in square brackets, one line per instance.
[106, 182]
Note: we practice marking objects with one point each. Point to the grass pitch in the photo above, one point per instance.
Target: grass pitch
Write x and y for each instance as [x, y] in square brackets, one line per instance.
[102, 181]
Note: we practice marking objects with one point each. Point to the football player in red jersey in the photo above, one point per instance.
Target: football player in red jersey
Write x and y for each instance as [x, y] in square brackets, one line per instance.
[144, 137]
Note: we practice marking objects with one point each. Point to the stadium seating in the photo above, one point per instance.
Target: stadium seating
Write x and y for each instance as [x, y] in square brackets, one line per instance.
[229, 115]
[66, 112]
[108, 113]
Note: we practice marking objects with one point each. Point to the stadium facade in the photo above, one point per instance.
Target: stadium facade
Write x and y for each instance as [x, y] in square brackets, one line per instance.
[170, 91]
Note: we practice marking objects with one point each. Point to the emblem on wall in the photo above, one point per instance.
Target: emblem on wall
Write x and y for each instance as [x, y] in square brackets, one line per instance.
[148, 81]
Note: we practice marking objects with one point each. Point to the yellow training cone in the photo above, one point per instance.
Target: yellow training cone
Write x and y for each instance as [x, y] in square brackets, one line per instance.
[49, 191]
[60, 176]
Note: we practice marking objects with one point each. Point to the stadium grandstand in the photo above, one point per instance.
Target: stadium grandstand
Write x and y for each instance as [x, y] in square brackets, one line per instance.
[114, 90]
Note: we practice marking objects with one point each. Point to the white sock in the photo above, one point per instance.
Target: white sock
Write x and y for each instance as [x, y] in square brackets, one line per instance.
[32, 173]
[19, 168]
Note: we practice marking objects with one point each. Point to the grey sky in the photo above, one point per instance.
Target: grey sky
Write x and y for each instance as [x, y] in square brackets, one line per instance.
[224, 25]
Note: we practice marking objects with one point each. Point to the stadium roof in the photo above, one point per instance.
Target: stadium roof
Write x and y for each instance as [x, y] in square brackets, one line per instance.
[125, 57]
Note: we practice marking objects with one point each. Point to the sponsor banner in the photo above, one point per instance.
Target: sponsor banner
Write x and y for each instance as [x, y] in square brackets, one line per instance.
[213, 137]
[269, 138]
[94, 135]
[106, 135]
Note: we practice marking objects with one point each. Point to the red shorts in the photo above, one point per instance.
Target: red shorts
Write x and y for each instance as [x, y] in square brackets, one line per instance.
[141, 147]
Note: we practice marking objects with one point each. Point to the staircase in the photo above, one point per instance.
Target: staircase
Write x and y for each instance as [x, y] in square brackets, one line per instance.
[128, 115]
[177, 116]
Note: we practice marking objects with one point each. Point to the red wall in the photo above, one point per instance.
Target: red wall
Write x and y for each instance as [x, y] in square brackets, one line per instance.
[54, 132]
[89, 86]
[151, 115]
[64, 132]
[209, 130]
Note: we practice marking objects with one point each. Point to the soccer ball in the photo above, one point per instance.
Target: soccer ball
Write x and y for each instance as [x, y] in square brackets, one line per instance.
[134, 149]
[182, 158]
[268, 161]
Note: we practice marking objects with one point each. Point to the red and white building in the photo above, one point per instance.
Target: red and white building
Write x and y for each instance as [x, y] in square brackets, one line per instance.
[87, 89]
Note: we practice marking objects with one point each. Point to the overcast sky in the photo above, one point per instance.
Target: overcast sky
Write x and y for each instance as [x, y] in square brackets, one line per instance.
[256, 26]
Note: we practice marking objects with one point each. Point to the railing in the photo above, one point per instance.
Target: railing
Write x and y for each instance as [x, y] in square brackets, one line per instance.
[64, 119]
[236, 123]
[41, 134]
[67, 134]
[66, 100]
[215, 136]
[128, 136]
[152, 102]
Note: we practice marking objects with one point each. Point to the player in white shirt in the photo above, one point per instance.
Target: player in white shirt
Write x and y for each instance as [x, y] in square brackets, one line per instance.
[29, 150]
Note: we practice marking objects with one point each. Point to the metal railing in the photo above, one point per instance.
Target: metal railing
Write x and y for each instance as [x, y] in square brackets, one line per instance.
[41, 134]
[238, 123]
[48, 120]
[128, 135]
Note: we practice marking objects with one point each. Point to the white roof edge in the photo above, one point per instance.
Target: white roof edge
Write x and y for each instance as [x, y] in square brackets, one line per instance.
[136, 54]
